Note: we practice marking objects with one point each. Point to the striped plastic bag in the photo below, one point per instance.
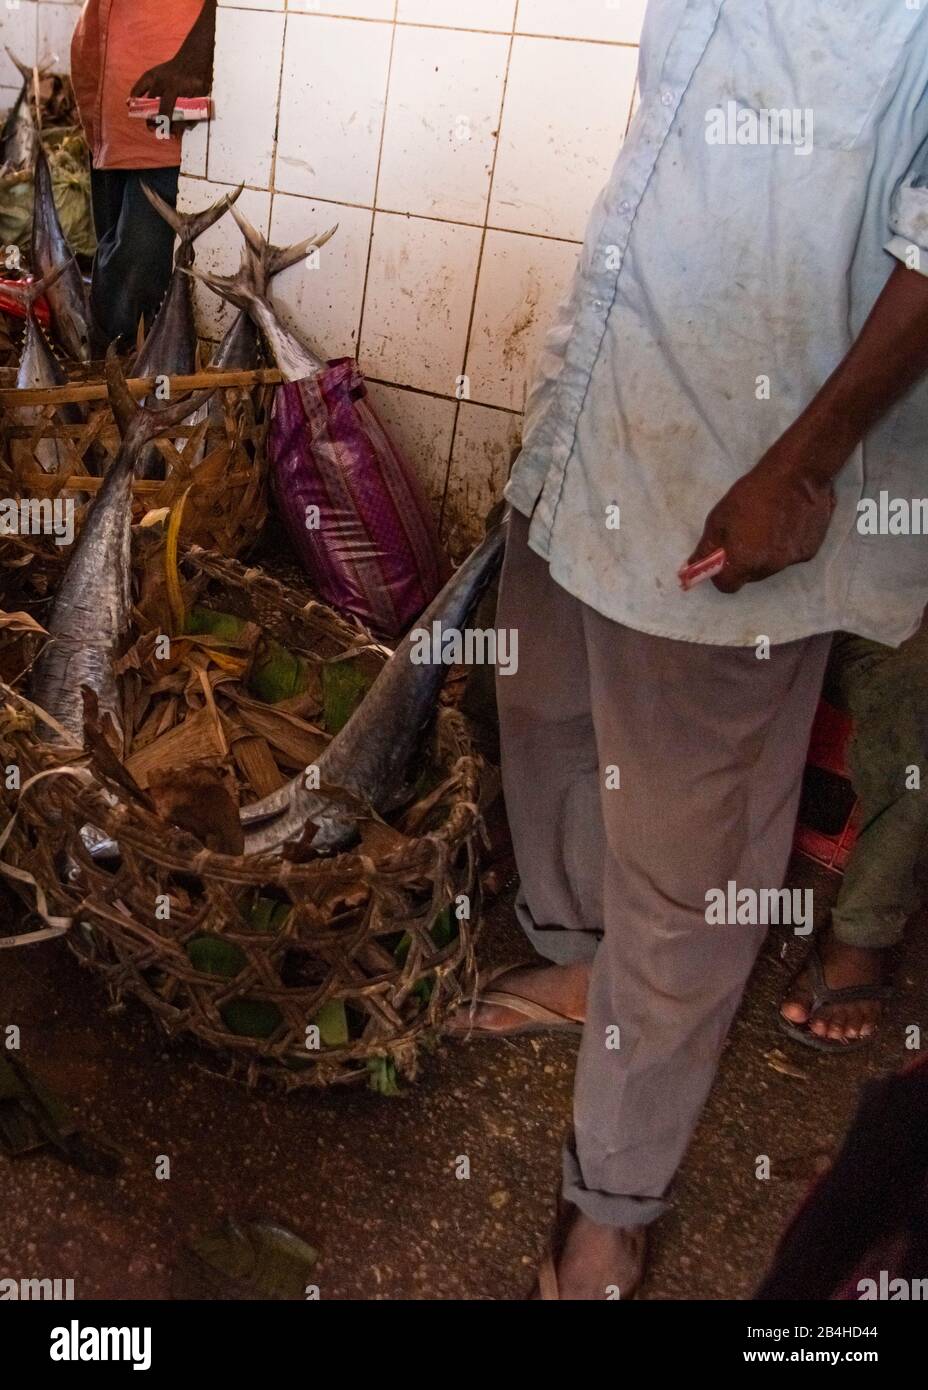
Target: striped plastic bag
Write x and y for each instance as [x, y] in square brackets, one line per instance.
[351, 504]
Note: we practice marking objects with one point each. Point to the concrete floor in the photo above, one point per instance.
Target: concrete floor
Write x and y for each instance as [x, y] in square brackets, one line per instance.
[371, 1181]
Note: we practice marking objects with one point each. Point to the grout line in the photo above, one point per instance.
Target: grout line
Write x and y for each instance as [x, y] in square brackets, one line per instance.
[483, 242]
[373, 210]
[280, 94]
[442, 396]
[443, 28]
[390, 212]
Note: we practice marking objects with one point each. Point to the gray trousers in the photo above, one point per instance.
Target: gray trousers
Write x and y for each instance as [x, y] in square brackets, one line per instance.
[709, 745]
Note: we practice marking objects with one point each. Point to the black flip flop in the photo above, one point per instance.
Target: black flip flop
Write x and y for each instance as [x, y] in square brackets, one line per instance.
[822, 996]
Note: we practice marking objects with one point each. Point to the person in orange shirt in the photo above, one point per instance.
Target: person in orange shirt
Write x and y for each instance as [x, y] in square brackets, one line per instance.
[123, 48]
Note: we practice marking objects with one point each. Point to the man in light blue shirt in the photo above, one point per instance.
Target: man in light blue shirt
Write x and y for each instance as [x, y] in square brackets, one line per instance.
[740, 366]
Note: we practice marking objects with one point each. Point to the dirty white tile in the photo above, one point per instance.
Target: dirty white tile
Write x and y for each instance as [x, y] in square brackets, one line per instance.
[56, 28]
[522, 281]
[350, 9]
[331, 113]
[246, 76]
[618, 20]
[219, 249]
[422, 427]
[193, 149]
[460, 14]
[443, 113]
[19, 30]
[323, 305]
[419, 293]
[253, 4]
[484, 444]
[555, 155]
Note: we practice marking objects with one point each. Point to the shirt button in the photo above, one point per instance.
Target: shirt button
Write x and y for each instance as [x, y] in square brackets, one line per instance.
[625, 206]
[597, 303]
[667, 98]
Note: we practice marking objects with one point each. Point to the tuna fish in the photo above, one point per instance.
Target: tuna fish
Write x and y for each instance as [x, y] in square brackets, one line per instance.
[39, 367]
[19, 141]
[67, 298]
[248, 290]
[372, 755]
[170, 348]
[90, 615]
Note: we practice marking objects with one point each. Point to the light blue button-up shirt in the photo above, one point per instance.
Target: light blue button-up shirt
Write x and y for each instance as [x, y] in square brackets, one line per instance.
[777, 163]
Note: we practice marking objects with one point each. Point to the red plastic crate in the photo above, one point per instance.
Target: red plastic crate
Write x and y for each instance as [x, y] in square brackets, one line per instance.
[818, 837]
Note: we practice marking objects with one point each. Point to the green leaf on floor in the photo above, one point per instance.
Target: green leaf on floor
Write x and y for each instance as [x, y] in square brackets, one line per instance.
[248, 1260]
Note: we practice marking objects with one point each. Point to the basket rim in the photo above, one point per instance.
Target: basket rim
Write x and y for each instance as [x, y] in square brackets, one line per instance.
[155, 839]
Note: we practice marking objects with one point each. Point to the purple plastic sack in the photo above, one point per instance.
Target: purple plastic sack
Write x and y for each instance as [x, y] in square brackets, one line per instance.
[371, 549]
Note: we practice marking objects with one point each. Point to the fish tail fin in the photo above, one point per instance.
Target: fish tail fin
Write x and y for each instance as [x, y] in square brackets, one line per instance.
[139, 424]
[282, 257]
[239, 289]
[25, 69]
[26, 292]
[271, 260]
[188, 226]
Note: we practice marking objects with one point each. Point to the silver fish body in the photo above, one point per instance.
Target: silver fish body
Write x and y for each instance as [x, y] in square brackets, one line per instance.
[67, 298]
[91, 611]
[39, 368]
[370, 758]
[170, 348]
[19, 140]
[90, 616]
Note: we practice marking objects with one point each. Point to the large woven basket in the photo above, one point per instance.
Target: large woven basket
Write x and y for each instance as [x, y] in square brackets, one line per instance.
[338, 941]
[227, 495]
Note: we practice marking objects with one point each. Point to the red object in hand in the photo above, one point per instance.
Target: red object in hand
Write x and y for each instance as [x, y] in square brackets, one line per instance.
[8, 305]
[698, 573]
[185, 108]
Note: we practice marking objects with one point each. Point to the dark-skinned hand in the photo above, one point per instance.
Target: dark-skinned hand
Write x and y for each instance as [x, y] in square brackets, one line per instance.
[775, 516]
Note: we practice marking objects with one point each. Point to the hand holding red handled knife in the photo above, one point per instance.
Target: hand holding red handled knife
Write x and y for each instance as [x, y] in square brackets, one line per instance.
[701, 570]
[775, 516]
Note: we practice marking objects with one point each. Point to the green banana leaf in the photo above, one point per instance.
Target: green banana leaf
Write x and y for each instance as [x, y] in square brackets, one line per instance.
[344, 685]
[276, 674]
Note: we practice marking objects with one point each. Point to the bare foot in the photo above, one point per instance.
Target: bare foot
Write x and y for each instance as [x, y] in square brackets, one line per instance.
[600, 1262]
[560, 988]
[844, 966]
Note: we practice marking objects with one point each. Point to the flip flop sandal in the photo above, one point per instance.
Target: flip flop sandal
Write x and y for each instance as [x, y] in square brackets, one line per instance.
[538, 1019]
[546, 1281]
[822, 996]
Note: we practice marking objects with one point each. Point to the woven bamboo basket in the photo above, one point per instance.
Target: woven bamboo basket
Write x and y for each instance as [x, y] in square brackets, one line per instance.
[226, 473]
[356, 929]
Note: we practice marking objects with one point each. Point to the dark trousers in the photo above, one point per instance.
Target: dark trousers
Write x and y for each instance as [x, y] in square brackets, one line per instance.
[135, 250]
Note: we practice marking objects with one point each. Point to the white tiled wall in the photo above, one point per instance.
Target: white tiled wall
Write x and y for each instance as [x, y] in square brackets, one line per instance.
[459, 145]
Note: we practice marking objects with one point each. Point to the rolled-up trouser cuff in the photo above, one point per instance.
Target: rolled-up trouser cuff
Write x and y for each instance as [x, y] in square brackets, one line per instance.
[557, 944]
[606, 1208]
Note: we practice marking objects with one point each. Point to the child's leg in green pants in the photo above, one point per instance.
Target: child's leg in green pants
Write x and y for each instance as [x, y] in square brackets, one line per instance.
[885, 689]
